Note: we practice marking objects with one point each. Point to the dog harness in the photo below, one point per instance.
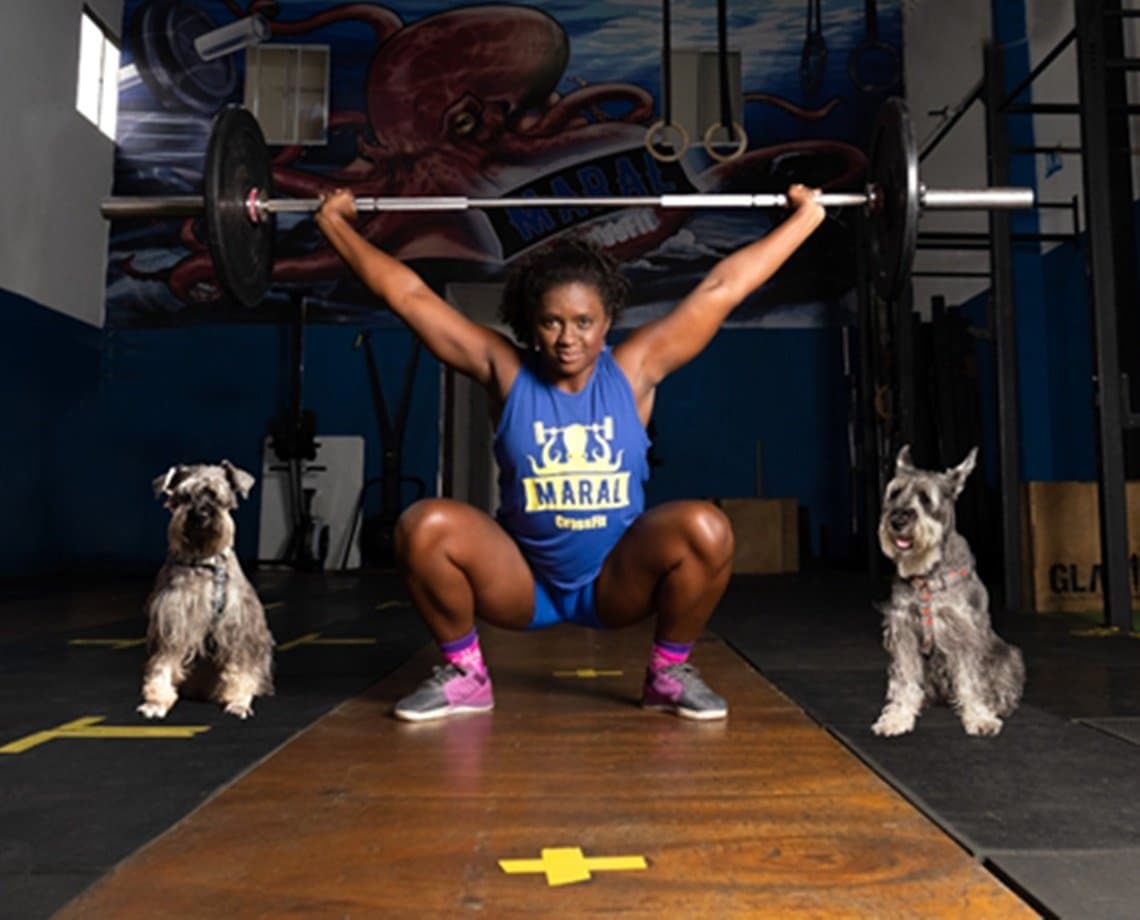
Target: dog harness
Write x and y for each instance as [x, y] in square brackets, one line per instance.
[217, 565]
[927, 590]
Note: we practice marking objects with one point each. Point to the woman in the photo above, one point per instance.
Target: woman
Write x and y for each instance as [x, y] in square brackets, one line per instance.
[572, 540]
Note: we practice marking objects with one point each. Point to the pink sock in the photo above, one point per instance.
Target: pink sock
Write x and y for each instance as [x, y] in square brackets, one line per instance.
[465, 653]
[667, 653]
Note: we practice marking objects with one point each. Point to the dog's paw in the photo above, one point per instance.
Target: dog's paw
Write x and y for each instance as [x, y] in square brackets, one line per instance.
[981, 723]
[152, 710]
[893, 721]
[243, 709]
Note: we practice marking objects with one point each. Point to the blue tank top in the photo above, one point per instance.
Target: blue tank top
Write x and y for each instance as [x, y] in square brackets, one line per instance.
[572, 470]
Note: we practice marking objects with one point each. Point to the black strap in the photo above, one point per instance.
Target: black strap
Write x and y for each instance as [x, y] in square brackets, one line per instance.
[814, 20]
[813, 57]
[219, 593]
[219, 580]
[391, 433]
[871, 21]
[666, 64]
[726, 119]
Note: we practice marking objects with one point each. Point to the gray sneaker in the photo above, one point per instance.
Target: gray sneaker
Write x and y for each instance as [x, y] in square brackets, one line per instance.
[678, 688]
[449, 690]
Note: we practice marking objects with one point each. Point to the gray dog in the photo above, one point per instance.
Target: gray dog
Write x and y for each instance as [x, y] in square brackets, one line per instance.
[206, 633]
[937, 623]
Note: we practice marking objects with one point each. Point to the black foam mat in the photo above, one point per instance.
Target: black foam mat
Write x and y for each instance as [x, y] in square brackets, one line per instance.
[1126, 728]
[1042, 783]
[1082, 884]
[74, 807]
[1051, 804]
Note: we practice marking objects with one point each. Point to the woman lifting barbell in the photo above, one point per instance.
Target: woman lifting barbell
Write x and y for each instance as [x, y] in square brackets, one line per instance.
[572, 540]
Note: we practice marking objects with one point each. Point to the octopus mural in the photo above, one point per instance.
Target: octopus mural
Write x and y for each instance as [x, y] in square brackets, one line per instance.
[466, 102]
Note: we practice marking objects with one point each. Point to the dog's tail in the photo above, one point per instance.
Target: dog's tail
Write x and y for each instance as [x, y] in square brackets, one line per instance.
[1006, 667]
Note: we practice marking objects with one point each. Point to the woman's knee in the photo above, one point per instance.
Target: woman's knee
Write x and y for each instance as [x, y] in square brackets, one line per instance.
[708, 531]
[423, 527]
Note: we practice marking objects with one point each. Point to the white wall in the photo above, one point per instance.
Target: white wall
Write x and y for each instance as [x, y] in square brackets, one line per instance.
[943, 49]
[57, 166]
[1048, 21]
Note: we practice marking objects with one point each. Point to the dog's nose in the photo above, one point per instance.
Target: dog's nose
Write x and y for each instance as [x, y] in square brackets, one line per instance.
[900, 517]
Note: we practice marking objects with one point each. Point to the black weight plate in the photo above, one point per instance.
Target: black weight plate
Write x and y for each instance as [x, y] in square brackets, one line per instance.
[161, 39]
[894, 220]
[237, 161]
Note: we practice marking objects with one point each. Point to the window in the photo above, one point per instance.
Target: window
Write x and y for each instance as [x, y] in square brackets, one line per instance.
[287, 88]
[97, 97]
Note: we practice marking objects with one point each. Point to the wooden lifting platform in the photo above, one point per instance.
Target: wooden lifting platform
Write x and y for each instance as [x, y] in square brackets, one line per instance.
[567, 800]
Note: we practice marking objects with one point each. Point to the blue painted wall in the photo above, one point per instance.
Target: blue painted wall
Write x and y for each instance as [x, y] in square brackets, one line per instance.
[49, 370]
[93, 416]
[1052, 314]
[1034, 309]
[1066, 450]
[783, 388]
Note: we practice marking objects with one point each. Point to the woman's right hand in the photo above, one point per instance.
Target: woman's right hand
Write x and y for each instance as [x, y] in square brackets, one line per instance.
[800, 197]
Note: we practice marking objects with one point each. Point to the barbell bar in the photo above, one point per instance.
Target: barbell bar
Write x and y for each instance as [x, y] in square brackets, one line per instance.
[993, 199]
[239, 207]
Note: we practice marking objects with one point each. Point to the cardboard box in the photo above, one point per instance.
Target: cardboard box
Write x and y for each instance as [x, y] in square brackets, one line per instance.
[767, 534]
[1061, 532]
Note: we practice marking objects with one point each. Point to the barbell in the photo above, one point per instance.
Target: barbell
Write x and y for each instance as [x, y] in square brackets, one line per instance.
[239, 209]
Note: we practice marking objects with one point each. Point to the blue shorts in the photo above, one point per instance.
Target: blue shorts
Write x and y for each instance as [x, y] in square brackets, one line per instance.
[558, 605]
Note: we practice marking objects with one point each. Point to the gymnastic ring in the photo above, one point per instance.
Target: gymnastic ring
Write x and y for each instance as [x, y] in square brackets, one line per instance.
[661, 125]
[855, 65]
[741, 146]
[882, 403]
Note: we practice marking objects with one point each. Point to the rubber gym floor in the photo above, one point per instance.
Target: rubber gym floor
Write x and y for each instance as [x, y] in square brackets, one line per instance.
[568, 799]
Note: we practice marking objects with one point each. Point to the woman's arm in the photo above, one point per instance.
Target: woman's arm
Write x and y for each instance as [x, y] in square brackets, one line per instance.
[661, 346]
[456, 340]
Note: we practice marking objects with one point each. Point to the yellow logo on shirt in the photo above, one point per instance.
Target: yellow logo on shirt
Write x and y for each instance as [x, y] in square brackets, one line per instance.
[578, 472]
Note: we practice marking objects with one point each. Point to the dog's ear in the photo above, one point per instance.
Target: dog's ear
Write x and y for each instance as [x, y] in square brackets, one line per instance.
[164, 484]
[957, 475]
[240, 481]
[903, 463]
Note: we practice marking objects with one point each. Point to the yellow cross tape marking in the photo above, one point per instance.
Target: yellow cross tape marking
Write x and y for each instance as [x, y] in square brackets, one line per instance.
[587, 672]
[566, 865]
[89, 727]
[116, 644]
[300, 640]
[1099, 632]
[385, 605]
[1096, 631]
[315, 639]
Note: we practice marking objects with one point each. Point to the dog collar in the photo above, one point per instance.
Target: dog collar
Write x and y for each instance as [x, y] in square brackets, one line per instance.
[928, 585]
[926, 590]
